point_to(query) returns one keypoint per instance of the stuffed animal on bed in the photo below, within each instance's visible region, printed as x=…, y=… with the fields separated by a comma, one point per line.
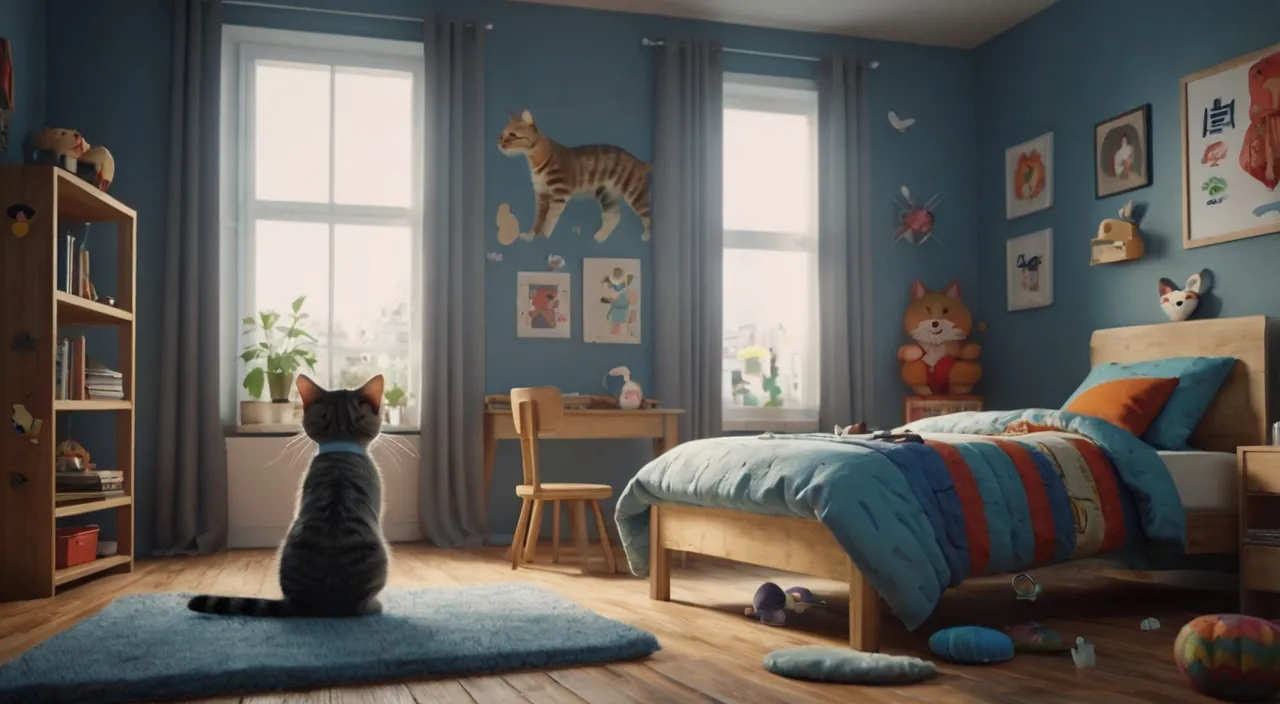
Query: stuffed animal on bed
x=939, y=361
x=771, y=603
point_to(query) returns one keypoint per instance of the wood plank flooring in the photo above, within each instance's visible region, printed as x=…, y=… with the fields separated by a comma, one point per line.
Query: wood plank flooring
x=710, y=651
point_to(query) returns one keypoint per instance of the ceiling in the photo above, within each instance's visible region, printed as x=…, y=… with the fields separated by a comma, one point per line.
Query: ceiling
x=955, y=23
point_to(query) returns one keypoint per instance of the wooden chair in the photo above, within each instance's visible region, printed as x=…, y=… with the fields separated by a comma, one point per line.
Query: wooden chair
x=539, y=411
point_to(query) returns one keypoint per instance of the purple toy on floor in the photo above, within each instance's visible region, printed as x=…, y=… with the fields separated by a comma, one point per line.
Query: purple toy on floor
x=771, y=603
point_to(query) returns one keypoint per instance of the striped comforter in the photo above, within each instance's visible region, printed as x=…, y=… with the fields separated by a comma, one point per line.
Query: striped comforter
x=986, y=493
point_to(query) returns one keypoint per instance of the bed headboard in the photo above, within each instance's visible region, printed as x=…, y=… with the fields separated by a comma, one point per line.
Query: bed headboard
x=1244, y=408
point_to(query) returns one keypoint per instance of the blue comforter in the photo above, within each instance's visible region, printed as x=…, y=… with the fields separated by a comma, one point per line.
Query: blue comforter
x=988, y=493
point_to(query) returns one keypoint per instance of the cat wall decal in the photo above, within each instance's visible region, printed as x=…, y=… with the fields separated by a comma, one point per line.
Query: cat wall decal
x=559, y=173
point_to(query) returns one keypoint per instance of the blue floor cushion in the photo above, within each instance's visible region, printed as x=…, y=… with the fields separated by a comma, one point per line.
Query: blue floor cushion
x=826, y=664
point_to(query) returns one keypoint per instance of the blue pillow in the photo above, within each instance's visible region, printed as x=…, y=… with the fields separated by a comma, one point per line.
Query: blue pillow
x=1199, y=379
x=825, y=664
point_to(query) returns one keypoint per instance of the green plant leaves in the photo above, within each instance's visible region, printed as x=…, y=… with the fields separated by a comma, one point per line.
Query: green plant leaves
x=253, y=382
x=297, y=303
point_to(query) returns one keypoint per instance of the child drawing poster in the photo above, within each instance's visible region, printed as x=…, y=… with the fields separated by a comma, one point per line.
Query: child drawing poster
x=611, y=300
x=1029, y=270
x=542, y=305
x=1028, y=177
x=1231, y=150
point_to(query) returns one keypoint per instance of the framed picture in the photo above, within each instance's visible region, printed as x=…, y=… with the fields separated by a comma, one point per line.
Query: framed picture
x=1122, y=153
x=543, y=304
x=1028, y=177
x=1029, y=270
x=1230, y=160
x=611, y=300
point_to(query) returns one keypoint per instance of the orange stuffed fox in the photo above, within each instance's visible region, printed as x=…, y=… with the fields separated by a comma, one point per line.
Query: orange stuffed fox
x=939, y=361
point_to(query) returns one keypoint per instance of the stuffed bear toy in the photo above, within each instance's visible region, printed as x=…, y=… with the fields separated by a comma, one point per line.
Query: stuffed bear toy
x=939, y=361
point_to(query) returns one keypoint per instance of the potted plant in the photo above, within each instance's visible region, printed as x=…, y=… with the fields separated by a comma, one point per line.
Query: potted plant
x=396, y=399
x=274, y=354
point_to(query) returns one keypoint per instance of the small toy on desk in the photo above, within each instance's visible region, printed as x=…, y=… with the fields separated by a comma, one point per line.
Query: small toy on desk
x=1026, y=588
x=26, y=424
x=1083, y=655
x=771, y=603
x=1178, y=303
x=631, y=396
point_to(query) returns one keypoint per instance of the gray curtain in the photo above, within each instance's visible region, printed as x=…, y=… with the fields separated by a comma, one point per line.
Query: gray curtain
x=191, y=464
x=844, y=249
x=688, y=233
x=452, y=505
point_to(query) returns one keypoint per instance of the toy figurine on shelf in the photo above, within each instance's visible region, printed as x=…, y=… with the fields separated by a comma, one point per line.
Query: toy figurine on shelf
x=68, y=149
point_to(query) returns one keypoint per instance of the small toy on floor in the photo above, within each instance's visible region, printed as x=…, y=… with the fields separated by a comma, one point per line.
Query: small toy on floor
x=1025, y=587
x=771, y=603
x=1035, y=638
x=1083, y=655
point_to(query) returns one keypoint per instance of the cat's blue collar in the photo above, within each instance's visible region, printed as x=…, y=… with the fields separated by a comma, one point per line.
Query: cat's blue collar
x=328, y=447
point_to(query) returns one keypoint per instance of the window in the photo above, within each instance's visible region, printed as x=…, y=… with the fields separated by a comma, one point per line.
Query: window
x=770, y=359
x=326, y=143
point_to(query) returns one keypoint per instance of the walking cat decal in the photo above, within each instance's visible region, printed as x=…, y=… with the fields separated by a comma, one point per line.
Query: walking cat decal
x=606, y=173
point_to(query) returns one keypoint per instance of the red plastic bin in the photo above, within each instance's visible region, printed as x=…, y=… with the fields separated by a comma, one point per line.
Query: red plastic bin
x=76, y=545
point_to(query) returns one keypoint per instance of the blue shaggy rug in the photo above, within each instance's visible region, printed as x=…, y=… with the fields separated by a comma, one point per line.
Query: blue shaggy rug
x=149, y=646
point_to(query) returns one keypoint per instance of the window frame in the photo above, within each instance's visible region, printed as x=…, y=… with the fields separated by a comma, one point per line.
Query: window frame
x=243, y=47
x=743, y=91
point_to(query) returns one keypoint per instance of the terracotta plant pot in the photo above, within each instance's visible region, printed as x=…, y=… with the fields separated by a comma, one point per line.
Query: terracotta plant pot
x=279, y=384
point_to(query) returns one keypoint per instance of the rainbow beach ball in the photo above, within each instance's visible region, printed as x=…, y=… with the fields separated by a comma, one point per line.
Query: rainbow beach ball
x=1230, y=656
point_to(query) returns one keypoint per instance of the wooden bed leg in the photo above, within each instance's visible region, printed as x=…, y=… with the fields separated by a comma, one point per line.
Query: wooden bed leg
x=659, y=560
x=864, y=613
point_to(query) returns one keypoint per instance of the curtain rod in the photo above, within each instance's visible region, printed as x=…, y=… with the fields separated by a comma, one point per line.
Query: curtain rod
x=751, y=52
x=323, y=11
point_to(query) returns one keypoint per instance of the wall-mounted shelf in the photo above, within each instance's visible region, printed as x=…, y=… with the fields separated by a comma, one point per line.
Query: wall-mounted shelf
x=1110, y=251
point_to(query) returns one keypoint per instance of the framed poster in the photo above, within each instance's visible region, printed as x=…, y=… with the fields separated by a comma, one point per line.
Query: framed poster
x=1122, y=153
x=611, y=300
x=1231, y=151
x=542, y=305
x=1029, y=270
x=1028, y=177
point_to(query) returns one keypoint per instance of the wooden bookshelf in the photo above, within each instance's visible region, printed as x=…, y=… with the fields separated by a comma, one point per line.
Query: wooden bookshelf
x=33, y=308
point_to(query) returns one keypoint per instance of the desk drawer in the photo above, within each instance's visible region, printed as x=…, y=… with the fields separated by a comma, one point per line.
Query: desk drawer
x=1262, y=472
x=1260, y=567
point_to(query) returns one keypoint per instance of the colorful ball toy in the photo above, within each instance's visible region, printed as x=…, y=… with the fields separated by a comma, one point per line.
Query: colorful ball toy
x=1230, y=656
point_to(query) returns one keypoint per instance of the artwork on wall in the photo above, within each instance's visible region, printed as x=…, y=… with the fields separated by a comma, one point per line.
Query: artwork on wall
x=1028, y=177
x=542, y=305
x=915, y=221
x=611, y=300
x=1231, y=150
x=612, y=175
x=1122, y=153
x=1179, y=303
x=1029, y=270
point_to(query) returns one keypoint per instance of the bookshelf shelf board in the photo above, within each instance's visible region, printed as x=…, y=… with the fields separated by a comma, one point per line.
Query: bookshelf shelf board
x=91, y=405
x=76, y=310
x=80, y=201
x=75, y=507
x=71, y=574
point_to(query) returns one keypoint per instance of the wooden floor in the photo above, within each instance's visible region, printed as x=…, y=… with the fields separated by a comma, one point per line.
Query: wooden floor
x=710, y=651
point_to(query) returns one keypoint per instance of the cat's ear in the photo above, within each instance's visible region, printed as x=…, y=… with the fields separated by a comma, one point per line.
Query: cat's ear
x=372, y=392
x=308, y=390
x=527, y=117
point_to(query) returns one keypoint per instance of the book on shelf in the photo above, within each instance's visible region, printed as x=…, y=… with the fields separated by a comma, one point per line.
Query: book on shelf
x=80, y=495
x=80, y=378
x=73, y=267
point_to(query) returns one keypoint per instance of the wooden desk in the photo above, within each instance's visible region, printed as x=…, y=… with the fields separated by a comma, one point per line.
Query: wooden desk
x=659, y=424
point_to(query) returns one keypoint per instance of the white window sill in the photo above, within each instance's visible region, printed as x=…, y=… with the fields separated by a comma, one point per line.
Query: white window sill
x=770, y=420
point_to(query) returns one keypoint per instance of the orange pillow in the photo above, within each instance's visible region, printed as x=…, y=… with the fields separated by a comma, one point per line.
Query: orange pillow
x=1131, y=403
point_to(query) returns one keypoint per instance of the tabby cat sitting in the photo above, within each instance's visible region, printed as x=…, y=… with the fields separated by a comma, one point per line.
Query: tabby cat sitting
x=560, y=173
x=334, y=560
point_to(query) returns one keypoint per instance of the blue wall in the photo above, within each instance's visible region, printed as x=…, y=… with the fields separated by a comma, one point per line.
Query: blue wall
x=1071, y=66
x=585, y=77
x=22, y=22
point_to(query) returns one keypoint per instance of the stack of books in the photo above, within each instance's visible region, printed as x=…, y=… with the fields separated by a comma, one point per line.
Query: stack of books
x=79, y=378
x=73, y=268
x=103, y=383
x=90, y=484
x=1263, y=536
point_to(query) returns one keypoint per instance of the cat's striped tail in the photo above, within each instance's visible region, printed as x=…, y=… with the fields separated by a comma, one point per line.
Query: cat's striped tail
x=240, y=606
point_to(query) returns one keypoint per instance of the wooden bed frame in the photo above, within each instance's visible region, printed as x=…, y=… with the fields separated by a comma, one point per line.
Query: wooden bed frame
x=1240, y=415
